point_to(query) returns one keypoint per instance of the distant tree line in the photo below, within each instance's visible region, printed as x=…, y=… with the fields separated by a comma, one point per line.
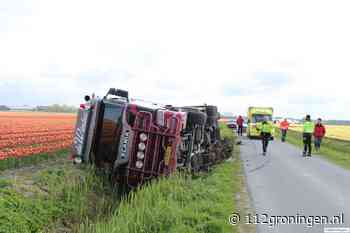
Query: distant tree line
x=57, y=108
x=49, y=108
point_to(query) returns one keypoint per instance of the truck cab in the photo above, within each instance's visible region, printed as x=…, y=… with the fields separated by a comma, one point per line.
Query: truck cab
x=256, y=115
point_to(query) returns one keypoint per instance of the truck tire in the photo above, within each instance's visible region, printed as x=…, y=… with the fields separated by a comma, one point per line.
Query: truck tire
x=195, y=118
x=213, y=115
x=212, y=111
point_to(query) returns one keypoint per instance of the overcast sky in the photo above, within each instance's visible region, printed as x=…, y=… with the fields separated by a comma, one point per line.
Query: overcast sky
x=292, y=55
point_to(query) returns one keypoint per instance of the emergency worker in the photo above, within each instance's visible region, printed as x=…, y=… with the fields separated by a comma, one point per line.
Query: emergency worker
x=265, y=128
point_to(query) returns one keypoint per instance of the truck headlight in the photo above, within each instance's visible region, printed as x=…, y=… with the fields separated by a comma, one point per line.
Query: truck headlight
x=139, y=164
x=142, y=146
x=78, y=160
x=140, y=155
x=143, y=137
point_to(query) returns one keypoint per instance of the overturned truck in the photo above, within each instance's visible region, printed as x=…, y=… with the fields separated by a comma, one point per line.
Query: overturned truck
x=135, y=143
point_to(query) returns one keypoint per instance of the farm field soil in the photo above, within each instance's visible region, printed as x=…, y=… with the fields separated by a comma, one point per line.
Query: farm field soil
x=341, y=132
x=28, y=133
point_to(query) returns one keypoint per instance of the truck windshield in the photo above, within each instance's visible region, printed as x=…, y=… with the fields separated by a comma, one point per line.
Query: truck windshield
x=110, y=132
x=260, y=117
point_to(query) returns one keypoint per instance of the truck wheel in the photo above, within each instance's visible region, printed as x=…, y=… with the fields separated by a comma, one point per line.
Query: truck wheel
x=195, y=118
x=212, y=111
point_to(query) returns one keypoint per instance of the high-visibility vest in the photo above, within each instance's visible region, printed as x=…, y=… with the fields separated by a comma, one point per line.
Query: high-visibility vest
x=265, y=127
x=308, y=127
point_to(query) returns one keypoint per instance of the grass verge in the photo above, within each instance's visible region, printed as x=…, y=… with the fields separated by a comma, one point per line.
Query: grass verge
x=55, y=200
x=334, y=150
x=12, y=163
x=177, y=204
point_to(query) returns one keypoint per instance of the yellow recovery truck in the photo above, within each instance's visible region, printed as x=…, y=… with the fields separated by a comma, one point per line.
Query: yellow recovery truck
x=255, y=116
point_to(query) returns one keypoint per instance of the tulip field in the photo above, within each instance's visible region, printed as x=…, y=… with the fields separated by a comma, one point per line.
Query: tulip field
x=341, y=132
x=27, y=133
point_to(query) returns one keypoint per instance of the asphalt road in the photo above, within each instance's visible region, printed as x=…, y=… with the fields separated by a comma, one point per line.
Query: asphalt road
x=283, y=183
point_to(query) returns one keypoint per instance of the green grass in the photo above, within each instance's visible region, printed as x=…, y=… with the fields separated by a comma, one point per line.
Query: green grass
x=179, y=203
x=334, y=150
x=58, y=199
x=4, y=183
x=11, y=163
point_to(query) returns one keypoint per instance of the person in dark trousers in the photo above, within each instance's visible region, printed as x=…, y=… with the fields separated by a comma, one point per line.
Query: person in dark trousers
x=284, y=125
x=308, y=130
x=240, y=122
x=265, y=129
x=319, y=133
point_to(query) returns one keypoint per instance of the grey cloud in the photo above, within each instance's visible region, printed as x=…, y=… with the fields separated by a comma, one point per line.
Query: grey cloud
x=235, y=91
x=168, y=85
x=272, y=80
x=305, y=99
x=98, y=78
x=262, y=83
x=23, y=93
x=56, y=86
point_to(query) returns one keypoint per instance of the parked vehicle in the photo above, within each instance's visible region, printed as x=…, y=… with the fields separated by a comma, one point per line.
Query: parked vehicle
x=134, y=143
x=232, y=124
x=256, y=115
x=245, y=127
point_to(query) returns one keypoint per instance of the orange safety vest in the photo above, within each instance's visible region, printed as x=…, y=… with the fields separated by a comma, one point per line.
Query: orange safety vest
x=284, y=125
